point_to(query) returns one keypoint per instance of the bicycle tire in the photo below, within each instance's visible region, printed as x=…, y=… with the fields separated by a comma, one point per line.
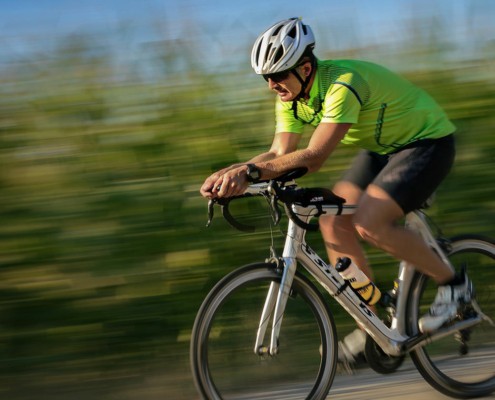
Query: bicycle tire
x=224, y=364
x=460, y=368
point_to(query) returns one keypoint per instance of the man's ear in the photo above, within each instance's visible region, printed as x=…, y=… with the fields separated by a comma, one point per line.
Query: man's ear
x=306, y=69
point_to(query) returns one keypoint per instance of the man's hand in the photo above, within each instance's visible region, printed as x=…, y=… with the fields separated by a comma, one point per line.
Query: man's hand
x=226, y=183
x=206, y=189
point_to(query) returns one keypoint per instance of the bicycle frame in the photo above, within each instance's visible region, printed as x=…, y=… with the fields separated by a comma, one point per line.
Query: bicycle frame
x=393, y=340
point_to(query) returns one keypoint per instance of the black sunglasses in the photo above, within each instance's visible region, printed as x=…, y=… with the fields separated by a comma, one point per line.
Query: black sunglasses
x=277, y=77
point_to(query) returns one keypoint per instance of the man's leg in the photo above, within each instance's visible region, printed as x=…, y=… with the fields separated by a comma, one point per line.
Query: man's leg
x=376, y=222
x=339, y=234
x=341, y=240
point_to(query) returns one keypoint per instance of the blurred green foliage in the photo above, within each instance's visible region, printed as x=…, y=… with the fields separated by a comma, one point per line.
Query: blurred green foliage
x=105, y=258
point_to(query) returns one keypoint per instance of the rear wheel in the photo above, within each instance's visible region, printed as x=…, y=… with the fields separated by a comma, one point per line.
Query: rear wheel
x=223, y=359
x=461, y=365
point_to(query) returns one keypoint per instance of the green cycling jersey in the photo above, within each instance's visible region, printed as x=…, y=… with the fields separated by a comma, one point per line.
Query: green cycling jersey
x=387, y=112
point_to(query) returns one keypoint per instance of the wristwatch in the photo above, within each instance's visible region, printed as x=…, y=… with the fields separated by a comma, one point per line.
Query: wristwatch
x=253, y=173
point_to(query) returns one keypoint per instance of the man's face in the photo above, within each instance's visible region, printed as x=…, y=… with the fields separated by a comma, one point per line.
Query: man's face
x=286, y=84
x=287, y=88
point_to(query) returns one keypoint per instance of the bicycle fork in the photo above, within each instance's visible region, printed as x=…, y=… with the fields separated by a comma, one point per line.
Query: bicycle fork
x=278, y=294
x=275, y=303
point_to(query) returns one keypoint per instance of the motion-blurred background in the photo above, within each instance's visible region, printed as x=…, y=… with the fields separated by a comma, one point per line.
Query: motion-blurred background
x=113, y=112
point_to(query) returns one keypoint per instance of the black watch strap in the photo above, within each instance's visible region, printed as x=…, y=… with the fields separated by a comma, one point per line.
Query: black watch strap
x=253, y=173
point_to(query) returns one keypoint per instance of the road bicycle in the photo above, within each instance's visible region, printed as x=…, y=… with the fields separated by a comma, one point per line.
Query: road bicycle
x=265, y=331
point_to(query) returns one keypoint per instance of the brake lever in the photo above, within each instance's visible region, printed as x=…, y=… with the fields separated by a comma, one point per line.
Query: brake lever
x=211, y=204
x=275, y=210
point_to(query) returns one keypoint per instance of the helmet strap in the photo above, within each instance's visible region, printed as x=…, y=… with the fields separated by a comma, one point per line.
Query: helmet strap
x=304, y=82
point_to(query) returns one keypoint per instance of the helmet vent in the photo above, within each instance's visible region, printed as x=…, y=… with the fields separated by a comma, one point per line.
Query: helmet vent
x=258, y=50
x=292, y=33
x=278, y=54
x=276, y=31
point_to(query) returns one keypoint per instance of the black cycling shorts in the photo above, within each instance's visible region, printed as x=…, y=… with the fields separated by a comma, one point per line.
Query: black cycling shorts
x=410, y=175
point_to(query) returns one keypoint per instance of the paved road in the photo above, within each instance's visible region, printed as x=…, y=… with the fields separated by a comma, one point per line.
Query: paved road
x=405, y=384
x=365, y=384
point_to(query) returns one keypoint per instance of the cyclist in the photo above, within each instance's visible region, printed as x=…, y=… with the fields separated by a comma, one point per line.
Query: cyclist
x=407, y=150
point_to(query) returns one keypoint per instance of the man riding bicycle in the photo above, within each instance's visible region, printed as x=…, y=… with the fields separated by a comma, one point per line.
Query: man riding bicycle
x=407, y=150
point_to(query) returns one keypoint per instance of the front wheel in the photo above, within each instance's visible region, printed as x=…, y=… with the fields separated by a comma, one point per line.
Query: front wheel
x=461, y=365
x=223, y=359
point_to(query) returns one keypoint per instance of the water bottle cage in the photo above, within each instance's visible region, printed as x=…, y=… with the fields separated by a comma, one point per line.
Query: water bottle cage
x=347, y=284
x=342, y=289
x=363, y=288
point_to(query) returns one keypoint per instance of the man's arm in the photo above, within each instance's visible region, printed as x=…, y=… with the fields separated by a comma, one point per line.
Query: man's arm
x=283, y=143
x=323, y=141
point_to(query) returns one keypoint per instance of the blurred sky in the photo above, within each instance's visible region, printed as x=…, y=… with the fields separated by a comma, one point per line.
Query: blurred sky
x=227, y=26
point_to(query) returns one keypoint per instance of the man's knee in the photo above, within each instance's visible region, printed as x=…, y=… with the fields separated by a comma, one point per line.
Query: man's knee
x=377, y=215
x=367, y=227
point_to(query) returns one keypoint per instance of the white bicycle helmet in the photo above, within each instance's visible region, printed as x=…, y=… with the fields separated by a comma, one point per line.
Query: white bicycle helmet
x=281, y=46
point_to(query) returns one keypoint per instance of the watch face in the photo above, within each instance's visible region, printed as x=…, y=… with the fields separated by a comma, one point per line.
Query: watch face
x=253, y=173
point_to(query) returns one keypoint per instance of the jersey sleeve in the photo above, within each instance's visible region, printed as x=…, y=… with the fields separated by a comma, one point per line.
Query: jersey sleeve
x=341, y=105
x=285, y=120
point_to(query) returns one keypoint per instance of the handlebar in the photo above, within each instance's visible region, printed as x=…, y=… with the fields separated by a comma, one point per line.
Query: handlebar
x=282, y=190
